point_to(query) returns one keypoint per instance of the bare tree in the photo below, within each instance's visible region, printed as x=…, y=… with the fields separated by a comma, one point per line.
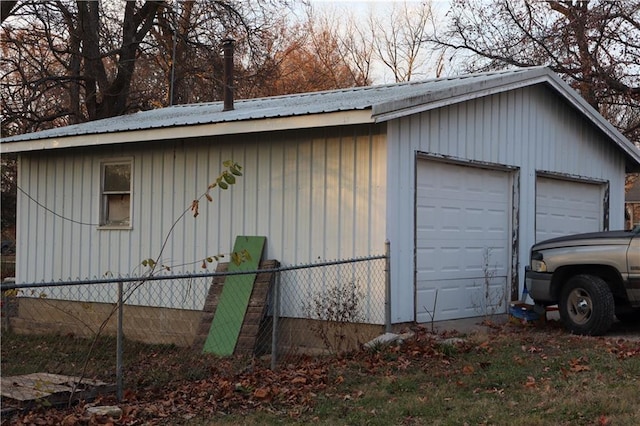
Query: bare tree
x=66, y=56
x=311, y=56
x=399, y=38
x=594, y=45
x=189, y=35
x=390, y=40
x=67, y=62
x=357, y=49
x=6, y=9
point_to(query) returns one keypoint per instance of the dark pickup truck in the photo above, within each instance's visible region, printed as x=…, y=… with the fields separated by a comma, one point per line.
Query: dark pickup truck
x=591, y=277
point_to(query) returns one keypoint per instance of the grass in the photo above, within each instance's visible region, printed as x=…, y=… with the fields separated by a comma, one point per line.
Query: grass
x=144, y=366
x=511, y=375
x=522, y=378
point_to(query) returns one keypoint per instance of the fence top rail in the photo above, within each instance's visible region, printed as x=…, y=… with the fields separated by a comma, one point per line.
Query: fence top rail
x=161, y=277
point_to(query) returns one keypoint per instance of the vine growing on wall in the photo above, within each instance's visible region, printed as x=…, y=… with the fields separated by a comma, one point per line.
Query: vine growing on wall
x=224, y=181
x=491, y=300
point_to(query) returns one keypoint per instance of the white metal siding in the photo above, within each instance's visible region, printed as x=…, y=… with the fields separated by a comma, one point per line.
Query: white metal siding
x=322, y=194
x=566, y=207
x=530, y=129
x=314, y=195
x=462, y=241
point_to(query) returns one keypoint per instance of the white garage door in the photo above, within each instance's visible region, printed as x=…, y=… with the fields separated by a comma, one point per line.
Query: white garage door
x=462, y=241
x=567, y=207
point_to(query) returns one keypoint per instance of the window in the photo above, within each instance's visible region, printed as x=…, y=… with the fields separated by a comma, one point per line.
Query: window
x=115, y=197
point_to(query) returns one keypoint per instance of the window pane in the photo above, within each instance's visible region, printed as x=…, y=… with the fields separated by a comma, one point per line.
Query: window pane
x=117, y=177
x=117, y=209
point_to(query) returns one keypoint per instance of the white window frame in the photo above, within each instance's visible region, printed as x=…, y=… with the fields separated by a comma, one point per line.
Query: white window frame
x=105, y=195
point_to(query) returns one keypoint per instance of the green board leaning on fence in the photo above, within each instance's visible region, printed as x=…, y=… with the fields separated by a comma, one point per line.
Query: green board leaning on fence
x=234, y=299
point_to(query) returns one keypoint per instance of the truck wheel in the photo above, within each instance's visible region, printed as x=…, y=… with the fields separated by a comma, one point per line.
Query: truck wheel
x=586, y=305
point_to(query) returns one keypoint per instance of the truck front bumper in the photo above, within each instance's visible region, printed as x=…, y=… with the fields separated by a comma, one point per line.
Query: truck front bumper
x=539, y=286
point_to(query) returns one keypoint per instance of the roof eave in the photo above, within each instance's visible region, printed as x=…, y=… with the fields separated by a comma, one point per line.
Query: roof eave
x=462, y=92
x=473, y=90
x=341, y=118
x=632, y=153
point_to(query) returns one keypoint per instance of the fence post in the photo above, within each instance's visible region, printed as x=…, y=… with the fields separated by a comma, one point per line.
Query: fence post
x=119, y=338
x=274, y=323
x=9, y=307
x=387, y=286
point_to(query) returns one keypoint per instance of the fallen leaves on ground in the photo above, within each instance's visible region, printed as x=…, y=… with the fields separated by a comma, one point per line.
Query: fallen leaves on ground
x=579, y=364
x=292, y=390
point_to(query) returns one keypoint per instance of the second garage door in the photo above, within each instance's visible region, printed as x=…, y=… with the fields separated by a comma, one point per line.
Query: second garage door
x=566, y=207
x=462, y=240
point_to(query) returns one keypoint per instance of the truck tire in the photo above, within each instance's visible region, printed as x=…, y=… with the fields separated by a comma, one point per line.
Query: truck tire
x=586, y=305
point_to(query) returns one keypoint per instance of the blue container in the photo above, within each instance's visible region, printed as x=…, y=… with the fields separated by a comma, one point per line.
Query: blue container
x=524, y=312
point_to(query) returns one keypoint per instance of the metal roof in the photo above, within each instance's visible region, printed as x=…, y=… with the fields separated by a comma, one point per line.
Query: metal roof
x=374, y=104
x=357, y=98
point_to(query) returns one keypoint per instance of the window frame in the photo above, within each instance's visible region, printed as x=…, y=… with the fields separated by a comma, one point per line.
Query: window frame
x=104, y=195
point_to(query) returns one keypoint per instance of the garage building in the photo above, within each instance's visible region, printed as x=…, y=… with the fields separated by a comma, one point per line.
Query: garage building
x=461, y=175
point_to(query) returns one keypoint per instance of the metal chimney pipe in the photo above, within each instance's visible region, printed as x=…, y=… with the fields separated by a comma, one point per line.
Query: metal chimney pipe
x=227, y=49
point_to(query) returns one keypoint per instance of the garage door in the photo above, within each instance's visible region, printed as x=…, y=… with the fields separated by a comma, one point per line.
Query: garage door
x=462, y=241
x=567, y=207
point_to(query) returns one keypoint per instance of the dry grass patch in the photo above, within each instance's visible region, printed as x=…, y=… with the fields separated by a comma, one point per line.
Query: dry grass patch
x=510, y=375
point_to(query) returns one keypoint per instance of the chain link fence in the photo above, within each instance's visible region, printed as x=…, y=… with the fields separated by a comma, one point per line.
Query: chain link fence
x=135, y=333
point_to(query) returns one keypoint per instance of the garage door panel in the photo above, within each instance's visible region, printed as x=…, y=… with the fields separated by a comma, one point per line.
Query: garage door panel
x=470, y=260
x=476, y=226
x=445, y=298
x=567, y=207
x=463, y=213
